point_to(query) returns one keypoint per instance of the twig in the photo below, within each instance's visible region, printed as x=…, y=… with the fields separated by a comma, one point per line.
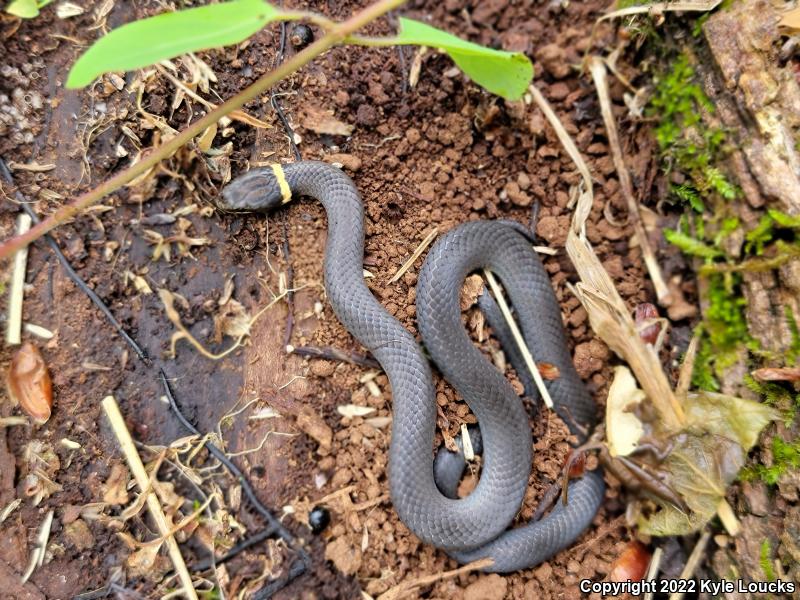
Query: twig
x=399, y=591
x=652, y=570
x=330, y=353
x=694, y=560
x=76, y=279
x=415, y=255
x=236, y=550
x=523, y=347
x=338, y=33
x=275, y=526
x=143, y=481
x=17, y=291
x=598, y=69
x=728, y=518
x=658, y=8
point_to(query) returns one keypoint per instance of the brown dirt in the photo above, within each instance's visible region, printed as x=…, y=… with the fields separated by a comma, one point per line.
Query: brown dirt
x=436, y=155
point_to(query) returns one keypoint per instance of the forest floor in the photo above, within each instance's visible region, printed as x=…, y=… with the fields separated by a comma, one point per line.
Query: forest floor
x=429, y=156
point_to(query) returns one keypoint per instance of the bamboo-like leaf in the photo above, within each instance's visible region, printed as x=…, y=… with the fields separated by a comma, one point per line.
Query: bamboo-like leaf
x=171, y=34
x=506, y=74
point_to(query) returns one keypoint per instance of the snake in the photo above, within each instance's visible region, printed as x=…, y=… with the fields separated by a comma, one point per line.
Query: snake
x=476, y=526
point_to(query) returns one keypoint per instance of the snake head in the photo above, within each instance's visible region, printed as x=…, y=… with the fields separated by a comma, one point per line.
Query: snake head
x=256, y=190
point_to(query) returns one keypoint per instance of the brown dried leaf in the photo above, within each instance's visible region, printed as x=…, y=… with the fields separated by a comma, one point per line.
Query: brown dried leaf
x=116, y=486
x=777, y=374
x=29, y=384
x=791, y=21
x=321, y=120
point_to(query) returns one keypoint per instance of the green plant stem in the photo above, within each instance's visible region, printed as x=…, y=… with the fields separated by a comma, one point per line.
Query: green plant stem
x=786, y=254
x=337, y=33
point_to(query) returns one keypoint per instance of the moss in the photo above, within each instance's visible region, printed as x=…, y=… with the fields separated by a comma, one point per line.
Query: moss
x=793, y=354
x=765, y=560
x=785, y=456
x=686, y=143
x=777, y=395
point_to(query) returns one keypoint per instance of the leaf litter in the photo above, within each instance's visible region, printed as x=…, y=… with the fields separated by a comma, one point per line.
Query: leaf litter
x=707, y=436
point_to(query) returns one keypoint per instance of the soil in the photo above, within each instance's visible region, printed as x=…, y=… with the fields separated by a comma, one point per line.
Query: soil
x=433, y=155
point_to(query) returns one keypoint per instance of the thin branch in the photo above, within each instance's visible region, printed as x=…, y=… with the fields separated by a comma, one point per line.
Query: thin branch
x=598, y=69
x=143, y=481
x=71, y=273
x=337, y=34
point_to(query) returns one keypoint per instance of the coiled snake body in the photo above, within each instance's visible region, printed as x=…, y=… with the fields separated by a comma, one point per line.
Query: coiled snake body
x=475, y=526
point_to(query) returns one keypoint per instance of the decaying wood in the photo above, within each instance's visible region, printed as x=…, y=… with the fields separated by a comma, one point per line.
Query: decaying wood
x=757, y=100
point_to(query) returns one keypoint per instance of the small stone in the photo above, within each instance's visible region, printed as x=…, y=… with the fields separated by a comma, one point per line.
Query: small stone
x=341, y=98
x=490, y=587
x=590, y=357
x=516, y=195
x=554, y=60
x=344, y=555
x=367, y=115
x=553, y=229
x=558, y=91
x=322, y=368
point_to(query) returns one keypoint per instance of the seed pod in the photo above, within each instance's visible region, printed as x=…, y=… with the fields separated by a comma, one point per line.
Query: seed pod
x=301, y=36
x=644, y=313
x=29, y=383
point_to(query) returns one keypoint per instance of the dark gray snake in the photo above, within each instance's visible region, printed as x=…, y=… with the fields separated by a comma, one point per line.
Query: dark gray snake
x=476, y=526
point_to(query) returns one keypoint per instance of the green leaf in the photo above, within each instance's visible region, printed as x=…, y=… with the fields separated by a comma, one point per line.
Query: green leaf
x=506, y=74
x=784, y=220
x=167, y=35
x=25, y=9
x=689, y=245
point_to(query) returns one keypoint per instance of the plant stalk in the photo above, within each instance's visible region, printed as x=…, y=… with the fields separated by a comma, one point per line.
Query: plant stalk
x=336, y=34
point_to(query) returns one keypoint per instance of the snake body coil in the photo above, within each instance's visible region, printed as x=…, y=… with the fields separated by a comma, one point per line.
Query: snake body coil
x=475, y=526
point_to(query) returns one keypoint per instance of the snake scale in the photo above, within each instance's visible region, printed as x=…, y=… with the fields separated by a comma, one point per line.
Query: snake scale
x=476, y=526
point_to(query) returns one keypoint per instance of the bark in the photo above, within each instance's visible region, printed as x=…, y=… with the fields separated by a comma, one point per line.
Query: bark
x=757, y=99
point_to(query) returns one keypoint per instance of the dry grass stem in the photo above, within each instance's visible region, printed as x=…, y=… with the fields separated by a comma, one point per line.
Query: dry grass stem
x=416, y=254
x=16, y=293
x=698, y=553
x=659, y=8
x=523, y=347
x=597, y=66
x=608, y=315
x=143, y=481
x=728, y=518
x=40, y=548
x=652, y=569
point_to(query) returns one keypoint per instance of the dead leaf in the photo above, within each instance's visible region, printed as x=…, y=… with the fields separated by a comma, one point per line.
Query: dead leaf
x=29, y=384
x=791, y=21
x=354, y=410
x=321, y=120
x=116, y=486
x=777, y=374
x=623, y=428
